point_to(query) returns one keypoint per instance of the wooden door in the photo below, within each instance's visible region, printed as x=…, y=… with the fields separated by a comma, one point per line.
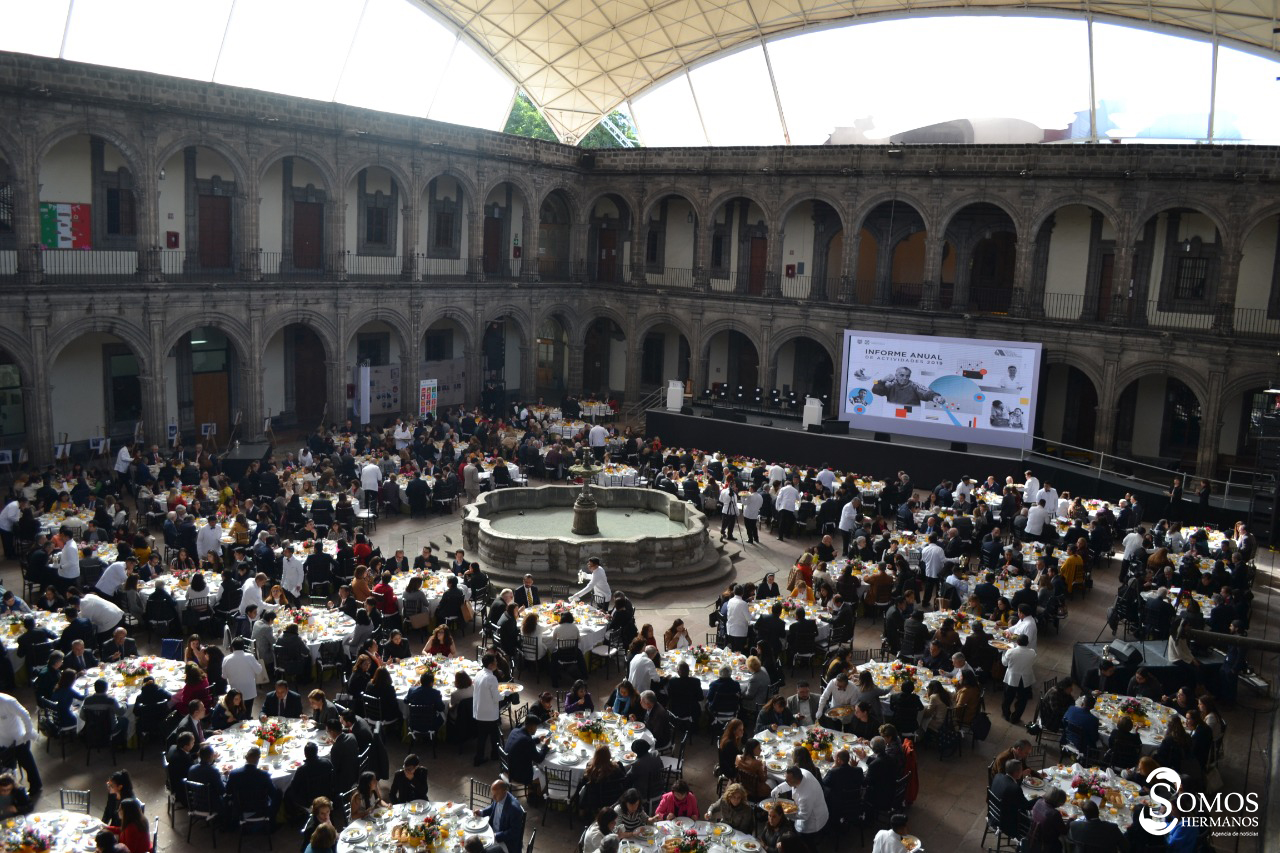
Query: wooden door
x=759, y=261
x=595, y=360
x=492, y=246
x=608, y=256
x=214, y=219
x=308, y=235
x=212, y=400
x=1106, y=275
x=309, y=392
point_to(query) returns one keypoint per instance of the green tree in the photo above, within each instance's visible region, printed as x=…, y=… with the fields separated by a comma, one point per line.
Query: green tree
x=525, y=120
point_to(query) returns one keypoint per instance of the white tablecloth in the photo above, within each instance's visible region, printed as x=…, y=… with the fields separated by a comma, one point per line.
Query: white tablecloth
x=169, y=674
x=570, y=752
x=66, y=832
x=363, y=835
x=231, y=745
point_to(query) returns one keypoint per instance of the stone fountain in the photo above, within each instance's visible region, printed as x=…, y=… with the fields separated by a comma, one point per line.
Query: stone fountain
x=584, y=508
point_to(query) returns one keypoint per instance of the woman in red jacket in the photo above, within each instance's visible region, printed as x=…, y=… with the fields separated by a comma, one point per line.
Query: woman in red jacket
x=132, y=831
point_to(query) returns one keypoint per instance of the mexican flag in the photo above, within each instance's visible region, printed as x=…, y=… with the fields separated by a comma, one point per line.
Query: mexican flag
x=64, y=225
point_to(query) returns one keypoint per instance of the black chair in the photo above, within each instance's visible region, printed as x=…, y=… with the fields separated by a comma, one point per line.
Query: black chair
x=518, y=789
x=378, y=712
x=97, y=733
x=478, y=796
x=423, y=722
x=48, y=725
x=994, y=825
x=332, y=660
x=252, y=821
x=38, y=656
x=73, y=800
x=201, y=806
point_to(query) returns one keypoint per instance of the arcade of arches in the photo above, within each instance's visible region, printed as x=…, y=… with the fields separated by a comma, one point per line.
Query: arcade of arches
x=200, y=281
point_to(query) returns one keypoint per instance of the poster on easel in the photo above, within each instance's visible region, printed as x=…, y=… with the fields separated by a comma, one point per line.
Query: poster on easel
x=428, y=397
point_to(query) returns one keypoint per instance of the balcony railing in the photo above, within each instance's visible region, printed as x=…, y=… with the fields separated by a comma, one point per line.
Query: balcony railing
x=68, y=266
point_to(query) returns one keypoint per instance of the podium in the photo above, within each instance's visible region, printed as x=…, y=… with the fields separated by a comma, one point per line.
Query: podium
x=675, y=395
x=812, y=413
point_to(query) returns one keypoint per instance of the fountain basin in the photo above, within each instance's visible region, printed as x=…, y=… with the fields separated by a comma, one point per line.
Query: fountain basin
x=644, y=535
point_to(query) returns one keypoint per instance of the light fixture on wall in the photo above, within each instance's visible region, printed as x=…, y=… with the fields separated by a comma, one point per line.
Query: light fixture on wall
x=1186, y=245
x=689, y=217
x=162, y=173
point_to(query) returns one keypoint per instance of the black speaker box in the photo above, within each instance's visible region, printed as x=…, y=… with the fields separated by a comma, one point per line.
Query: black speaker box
x=816, y=428
x=882, y=436
x=1125, y=654
x=959, y=447
x=835, y=426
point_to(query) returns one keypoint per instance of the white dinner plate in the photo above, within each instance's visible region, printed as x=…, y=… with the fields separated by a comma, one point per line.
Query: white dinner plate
x=475, y=824
x=354, y=834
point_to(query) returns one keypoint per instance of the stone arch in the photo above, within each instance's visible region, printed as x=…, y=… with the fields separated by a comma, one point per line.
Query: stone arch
x=1238, y=385
x=1158, y=206
x=10, y=150
x=730, y=195
x=1078, y=360
x=659, y=318
x=397, y=321
x=601, y=312
x=1257, y=220
x=1173, y=370
x=234, y=159
x=567, y=316
x=868, y=205
x=20, y=350
x=526, y=194
x=571, y=196
x=779, y=338
x=234, y=328
x=128, y=149
x=589, y=202
x=730, y=325
x=511, y=312
x=1117, y=219
x=395, y=168
x=800, y=198
x=656, y=197
x=128, y=332
x=322, y=163
x=468, y=182
x=949, y=213
x=319, y=323
x=463, y=320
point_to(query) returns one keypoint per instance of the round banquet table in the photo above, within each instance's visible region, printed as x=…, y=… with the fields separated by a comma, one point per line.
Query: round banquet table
x=316, y=625
x=1117, y=805
x=378, y=834
x=169, y=674
x=76, y=521
x=709, y=670
x=762, y=606
x=571, y=752
x=54, y=622
x=1180, y=603
x=406, y=673
x=566, y=429
x=66, y=832
x=232, y=743
x=619, y=475
x=889, y=675
x=178, y=584
x=776, y=748
x=1149, y=724
x=590, y=621
x=720, y=837
x=964, y=626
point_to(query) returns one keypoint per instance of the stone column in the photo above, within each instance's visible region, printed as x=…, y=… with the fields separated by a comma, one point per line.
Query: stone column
x=849, y=266
x=1108, y=403
x=475, y=246
x=529, y=248
x=250, y=264
x=639, y=235
x=251, y=390
x=1228, y=280
x=581, y=267
x=409, y=269
x=147, y=197
x=1210, y=426
x=152, y=379
x=702, y=253
x=337, y=371
x=36, y=398
x=336, y=236
x=933, y=271
x=26, y=223
x=774, y=269
x=1022, y=273
x=1117, y=312
x=472, y=383
x=411, y=361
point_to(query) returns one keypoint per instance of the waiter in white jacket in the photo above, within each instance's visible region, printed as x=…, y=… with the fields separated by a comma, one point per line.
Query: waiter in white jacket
x=597, y=584
x=728, y=510
x=291, y=575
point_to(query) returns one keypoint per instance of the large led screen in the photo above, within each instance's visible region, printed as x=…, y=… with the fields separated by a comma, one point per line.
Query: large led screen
x=956, y=389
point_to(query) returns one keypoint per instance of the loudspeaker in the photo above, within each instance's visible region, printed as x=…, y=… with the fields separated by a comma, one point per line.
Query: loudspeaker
x=882, y=436
x=235, y=462
x=959, y=447
x=835, y=426
x=686, y=410
x=1125, y=654
x=816, y=428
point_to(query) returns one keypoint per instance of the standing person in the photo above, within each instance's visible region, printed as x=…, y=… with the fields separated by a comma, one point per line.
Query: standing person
x=1175, y=499
x=1203, y=494
x=785, y=503
x=597, y=585
x=16, y=733
x=751, y=505
x=811, y=803
x=242, y=671
x=485, y=706
x=1019, y=676
x=68, y=559
x=371, y=483
x=728, y=510
x=8, y=521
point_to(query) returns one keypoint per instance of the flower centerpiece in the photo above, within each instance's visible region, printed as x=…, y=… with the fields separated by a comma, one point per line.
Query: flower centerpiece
x=14, y=622
x=787, y=606
x=1089, y=785
x=271, y=732
x=702, y=656
x=27, y=840
x=416, y=834
x=561, y=607
x=899, y=670
x=817, y=740
x=299, y=616
x=1133, y=707
x=132, y=669
x=589, y=731
x=688, y=842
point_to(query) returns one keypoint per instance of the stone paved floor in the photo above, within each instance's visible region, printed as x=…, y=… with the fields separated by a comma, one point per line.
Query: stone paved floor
x=948, y=815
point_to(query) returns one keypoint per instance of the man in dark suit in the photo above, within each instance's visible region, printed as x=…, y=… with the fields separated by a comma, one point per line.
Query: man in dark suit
x=451, y=600
x=895, y=622
x=1006, y=789
x=506, y=817
x=314, y=778
x=119, y=647
x=988, y=593
x=1105, y=679
x=250, y=789
x=771, y=629
x=527, y=594
x=646, y=775
x=1158, y=616
x=32, y=636
x=179, y=759
x=843, y=787
x=283, y=702
x=426, y=560
x=208, y=775
x=1090, y=832
x=344, y=755
x=524, y=753
x=656, y=719
x=1026, y=596
x=79, y=658
x=843, y=617
x=78, y=628
x=193, y=722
